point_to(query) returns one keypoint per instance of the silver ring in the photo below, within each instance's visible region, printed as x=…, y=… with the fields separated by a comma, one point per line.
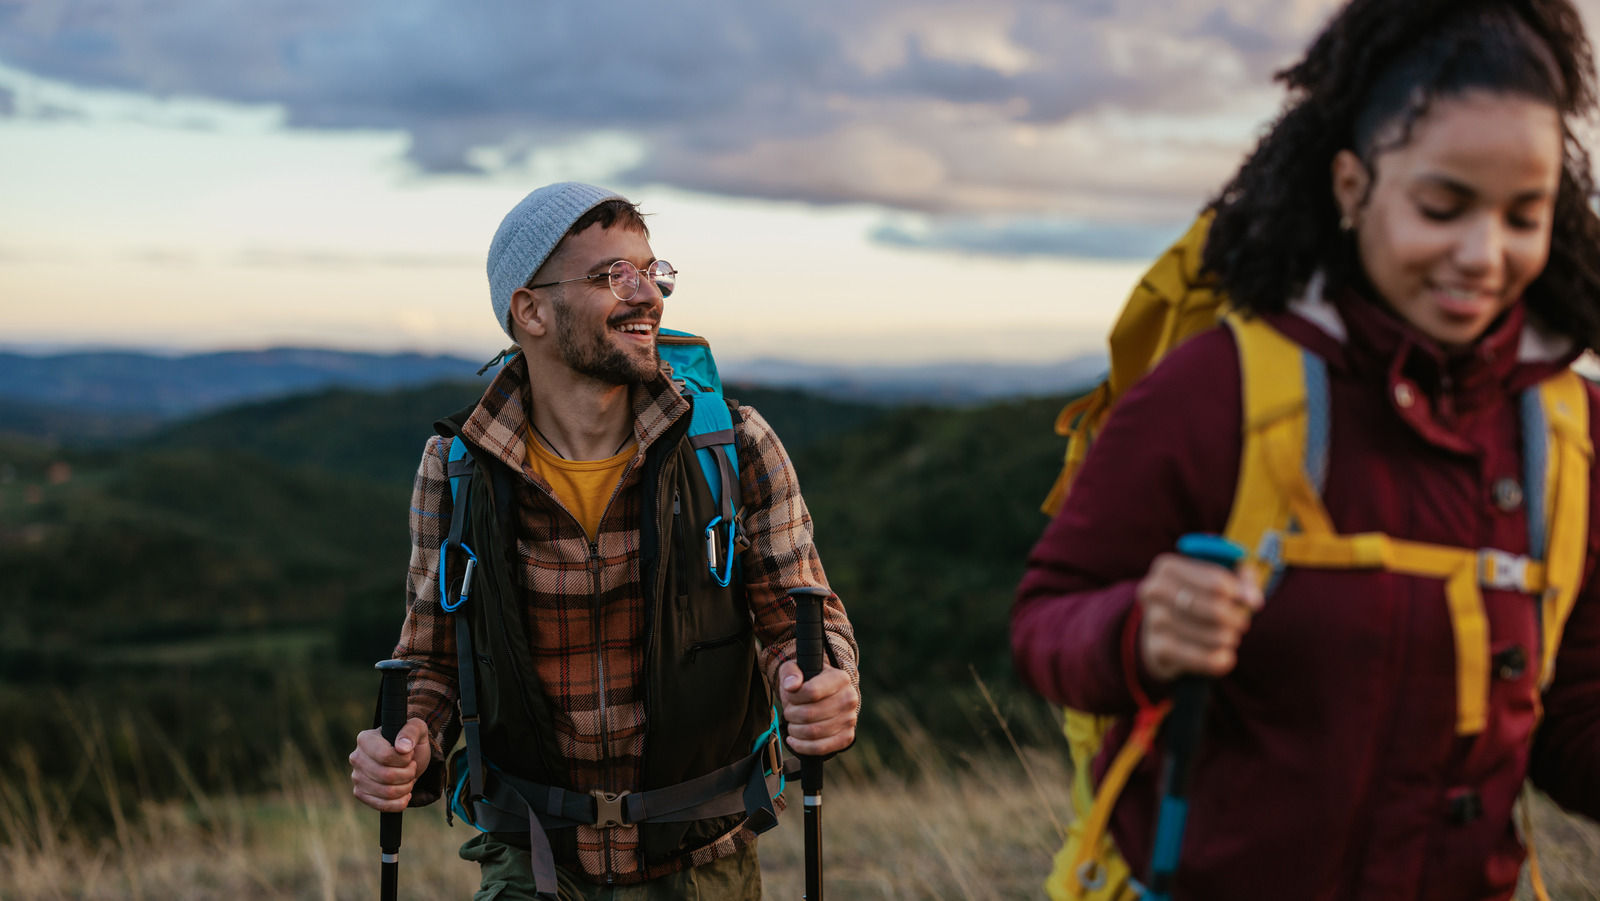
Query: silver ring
x=1184, y=600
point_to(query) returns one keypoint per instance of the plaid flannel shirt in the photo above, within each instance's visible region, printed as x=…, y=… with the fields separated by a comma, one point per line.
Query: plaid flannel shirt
x=601, y=731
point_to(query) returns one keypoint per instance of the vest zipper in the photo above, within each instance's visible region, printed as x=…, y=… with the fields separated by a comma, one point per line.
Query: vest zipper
x=677, y=540
x=595, y=564
x=600, y=681
x=707, y=645
x=653, y=601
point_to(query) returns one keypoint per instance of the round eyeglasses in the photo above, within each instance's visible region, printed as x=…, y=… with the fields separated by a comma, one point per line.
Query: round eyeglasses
x=624, y=279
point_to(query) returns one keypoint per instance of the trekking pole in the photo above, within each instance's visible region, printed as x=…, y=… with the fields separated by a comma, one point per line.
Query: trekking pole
x=809, y=654
x=391, y=716
x=1190, y=698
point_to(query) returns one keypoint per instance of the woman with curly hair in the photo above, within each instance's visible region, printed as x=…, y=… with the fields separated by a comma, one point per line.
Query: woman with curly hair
x=1419, y=226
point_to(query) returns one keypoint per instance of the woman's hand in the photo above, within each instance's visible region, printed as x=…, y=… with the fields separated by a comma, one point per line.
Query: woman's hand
x=1194, y=616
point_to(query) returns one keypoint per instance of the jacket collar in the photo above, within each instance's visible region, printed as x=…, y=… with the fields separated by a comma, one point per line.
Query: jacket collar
x=1357, y=335
x=499, y=424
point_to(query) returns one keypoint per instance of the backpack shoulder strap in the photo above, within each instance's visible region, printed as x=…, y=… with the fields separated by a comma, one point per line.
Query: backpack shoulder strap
x=1284, y=458
x=460, y=468
x=691, y=366
x=1558, y=456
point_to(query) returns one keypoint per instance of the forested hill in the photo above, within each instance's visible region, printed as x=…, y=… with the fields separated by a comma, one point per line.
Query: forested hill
x=379, y=436
x=271, y=539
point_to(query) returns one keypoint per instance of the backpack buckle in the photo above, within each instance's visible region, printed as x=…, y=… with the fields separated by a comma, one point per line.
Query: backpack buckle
x=608, y=809
x=774, y=755
x=1092, y=875
x=1503, y=571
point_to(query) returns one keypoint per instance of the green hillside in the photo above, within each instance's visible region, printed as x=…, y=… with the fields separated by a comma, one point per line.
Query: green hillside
x=924, y=521
x=252, y=559
x=379, y=436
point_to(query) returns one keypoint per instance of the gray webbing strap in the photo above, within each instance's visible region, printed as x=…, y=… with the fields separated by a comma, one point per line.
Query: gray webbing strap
x=722, y=792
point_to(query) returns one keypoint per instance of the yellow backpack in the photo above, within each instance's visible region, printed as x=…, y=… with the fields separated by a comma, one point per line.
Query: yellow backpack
x=1279, y=517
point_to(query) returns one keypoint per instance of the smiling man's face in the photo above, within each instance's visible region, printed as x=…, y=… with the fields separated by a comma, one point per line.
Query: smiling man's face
x=596, y=335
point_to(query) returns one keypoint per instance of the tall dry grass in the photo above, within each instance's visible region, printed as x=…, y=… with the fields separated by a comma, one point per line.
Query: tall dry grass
x=980, y=826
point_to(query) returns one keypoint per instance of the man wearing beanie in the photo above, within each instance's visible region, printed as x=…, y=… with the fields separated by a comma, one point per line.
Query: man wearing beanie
x=605, y=675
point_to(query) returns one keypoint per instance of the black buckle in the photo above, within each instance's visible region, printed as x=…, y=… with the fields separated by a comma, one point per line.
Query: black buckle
x=608, y=809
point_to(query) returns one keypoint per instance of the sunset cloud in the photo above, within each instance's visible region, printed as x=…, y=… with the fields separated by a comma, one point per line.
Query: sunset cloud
x=1128, y=113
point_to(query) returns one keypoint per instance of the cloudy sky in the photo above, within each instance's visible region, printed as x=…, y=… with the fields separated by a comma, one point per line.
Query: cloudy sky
x=841, y=179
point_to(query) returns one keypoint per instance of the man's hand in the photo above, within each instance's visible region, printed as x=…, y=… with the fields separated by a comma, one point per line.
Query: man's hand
x=384, y=774
x=1195, y=613
x=821, y=711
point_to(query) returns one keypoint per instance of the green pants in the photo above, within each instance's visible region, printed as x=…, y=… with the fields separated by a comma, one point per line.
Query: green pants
x=508, y=876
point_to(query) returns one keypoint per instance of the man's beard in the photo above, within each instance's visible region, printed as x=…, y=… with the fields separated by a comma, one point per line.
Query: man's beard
x=589, y=353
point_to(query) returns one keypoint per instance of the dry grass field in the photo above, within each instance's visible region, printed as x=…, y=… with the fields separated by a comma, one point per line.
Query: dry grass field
x=980, y=827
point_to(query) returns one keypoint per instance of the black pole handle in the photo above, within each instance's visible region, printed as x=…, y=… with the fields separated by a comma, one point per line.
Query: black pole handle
x=810, y=651
x=393, y=695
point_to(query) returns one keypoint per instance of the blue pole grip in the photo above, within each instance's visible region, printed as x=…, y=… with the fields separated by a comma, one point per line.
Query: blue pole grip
x=1211, y=549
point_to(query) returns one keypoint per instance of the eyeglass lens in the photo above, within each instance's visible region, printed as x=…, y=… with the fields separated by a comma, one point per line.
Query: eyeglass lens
x=625, y=278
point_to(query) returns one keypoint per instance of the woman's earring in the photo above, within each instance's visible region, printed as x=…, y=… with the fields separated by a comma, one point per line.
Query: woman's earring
x=1346, y=223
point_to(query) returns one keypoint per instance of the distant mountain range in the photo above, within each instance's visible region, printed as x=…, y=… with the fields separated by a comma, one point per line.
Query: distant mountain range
x=945, y=384
x=105, y=394
x=178, y=387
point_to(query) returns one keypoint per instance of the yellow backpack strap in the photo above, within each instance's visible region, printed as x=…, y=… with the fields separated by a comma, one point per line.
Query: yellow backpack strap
x=1280, y=430
x=1094, y=869
x=1562, y=453
x=1078, y=422
x=1172, y=302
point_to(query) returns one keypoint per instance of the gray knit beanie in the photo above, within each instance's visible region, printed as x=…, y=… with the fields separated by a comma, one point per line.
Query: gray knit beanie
x=530, y=232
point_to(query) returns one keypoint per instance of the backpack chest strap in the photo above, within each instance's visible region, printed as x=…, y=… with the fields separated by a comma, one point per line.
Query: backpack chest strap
x=1465, y=573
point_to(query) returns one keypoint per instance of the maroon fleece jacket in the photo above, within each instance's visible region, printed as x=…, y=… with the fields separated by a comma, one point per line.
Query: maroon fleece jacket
x=1330, y=767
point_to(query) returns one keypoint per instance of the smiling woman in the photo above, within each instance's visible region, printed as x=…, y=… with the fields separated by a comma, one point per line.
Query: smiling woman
x=1388, y=430
x=1455, y=223
x=1494, y=85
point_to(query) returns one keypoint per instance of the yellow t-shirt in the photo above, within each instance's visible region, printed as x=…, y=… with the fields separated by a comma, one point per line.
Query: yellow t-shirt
x=584, y=487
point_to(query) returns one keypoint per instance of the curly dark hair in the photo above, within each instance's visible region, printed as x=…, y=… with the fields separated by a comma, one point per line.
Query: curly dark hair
x=1371, y=75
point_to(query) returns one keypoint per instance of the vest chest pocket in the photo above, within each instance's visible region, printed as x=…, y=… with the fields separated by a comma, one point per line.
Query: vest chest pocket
x=705, y=616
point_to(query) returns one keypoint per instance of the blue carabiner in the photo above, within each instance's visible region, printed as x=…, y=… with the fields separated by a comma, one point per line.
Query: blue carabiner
x=466, y=579
x=772, y=735
x=726, y=576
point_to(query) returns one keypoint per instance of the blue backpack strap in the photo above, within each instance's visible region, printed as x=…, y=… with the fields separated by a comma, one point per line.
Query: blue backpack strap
x=1318, y=419
x=460, y=468
x=1535, y=467
x=712, y=437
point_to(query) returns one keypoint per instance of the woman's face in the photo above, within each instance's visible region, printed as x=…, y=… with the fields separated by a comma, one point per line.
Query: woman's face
x=1455, y=223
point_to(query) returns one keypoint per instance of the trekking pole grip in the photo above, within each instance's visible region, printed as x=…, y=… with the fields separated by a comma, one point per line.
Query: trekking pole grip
x=810, y=651
x=392, y=704
x=1191, y=695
